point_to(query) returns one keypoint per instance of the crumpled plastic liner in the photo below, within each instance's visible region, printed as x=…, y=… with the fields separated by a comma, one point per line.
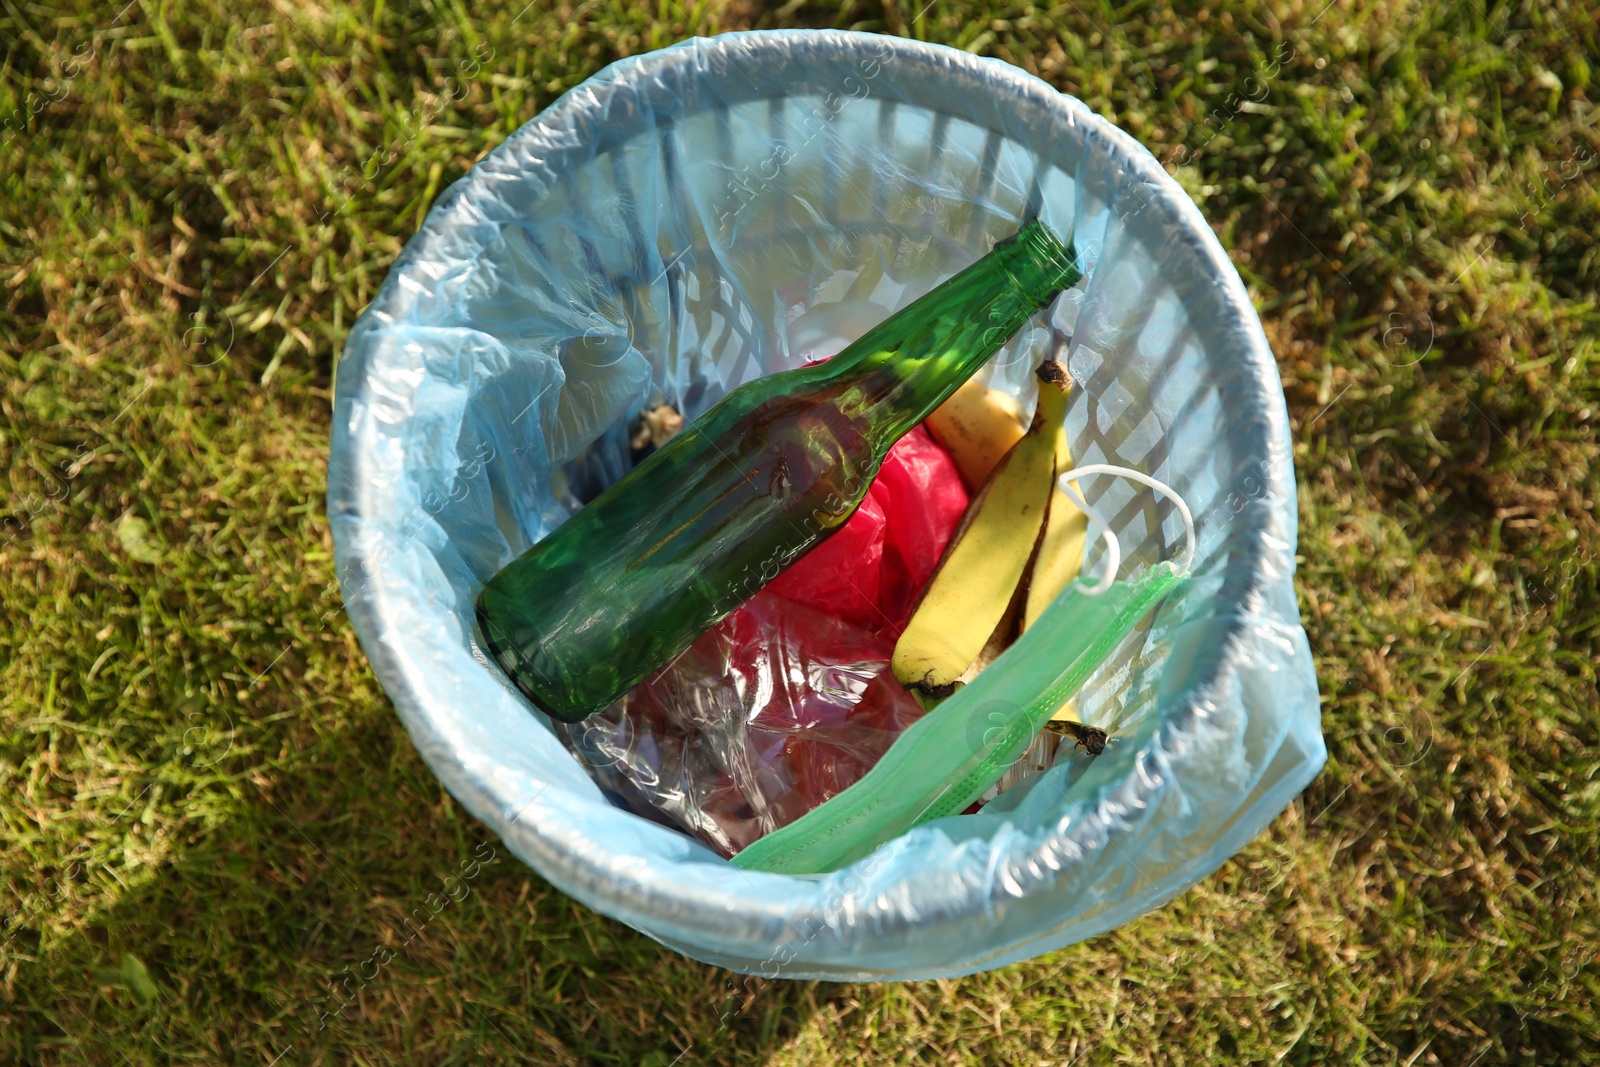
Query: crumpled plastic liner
x=789, y=700
x=692, y=218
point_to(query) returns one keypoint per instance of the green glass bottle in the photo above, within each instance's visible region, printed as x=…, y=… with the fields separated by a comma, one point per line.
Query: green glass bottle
x=772, y=469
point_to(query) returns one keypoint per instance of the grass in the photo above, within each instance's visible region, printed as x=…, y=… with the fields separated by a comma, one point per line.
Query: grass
x=211, y=815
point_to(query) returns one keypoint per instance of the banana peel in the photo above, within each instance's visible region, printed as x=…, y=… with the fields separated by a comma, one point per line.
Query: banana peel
x=1058, y=561
x=980, y=585
x=1008, y=560
x=977, y=426
x=1060, y=555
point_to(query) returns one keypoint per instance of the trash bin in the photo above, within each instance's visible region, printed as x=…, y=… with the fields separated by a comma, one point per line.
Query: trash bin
x=692, y=218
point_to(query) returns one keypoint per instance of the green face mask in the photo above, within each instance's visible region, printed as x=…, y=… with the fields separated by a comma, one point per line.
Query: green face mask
x=950, y=756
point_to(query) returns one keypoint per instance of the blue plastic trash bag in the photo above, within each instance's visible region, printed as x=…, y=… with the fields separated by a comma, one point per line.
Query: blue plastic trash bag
x=696, y=217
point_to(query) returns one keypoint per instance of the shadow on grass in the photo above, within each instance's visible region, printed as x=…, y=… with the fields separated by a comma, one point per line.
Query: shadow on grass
x=347, y=912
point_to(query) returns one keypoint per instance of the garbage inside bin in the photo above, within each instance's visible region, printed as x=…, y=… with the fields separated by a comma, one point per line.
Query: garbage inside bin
x=770, y=471
x=950, y=757
x=788, y=700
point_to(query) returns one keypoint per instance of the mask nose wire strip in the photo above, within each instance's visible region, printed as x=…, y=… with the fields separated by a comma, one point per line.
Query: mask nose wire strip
x=1113, y=546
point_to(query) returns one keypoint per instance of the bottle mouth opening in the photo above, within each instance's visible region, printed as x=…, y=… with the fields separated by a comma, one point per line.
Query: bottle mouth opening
x=1036, y=242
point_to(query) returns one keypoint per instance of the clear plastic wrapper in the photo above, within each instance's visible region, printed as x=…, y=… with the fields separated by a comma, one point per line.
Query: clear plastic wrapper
x=776, y=709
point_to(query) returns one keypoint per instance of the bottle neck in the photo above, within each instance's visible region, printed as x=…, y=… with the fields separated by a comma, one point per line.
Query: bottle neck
x=1037, y=262
x=913, y=361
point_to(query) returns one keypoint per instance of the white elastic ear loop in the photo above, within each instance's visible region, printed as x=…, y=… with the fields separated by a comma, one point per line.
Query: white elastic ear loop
x=1113, y=546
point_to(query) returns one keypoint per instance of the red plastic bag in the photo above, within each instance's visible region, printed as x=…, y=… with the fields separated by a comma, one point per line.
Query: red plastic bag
x=789, y=700
x=870, y=572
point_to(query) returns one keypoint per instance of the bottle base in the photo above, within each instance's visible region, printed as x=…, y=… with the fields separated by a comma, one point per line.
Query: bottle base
x=499, y=657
